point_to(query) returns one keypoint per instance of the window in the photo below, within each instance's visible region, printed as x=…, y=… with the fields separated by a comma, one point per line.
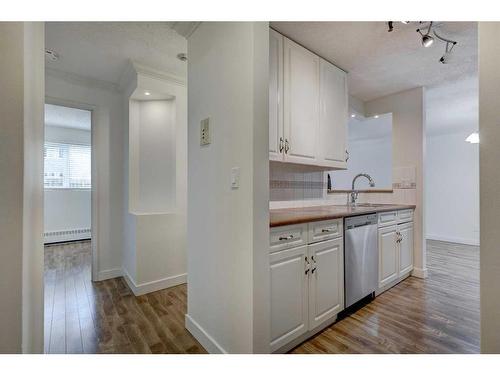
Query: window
x=67, y=166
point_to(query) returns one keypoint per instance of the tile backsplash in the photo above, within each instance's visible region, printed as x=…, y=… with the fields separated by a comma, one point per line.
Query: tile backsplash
x=302, y=186
x=290, y=182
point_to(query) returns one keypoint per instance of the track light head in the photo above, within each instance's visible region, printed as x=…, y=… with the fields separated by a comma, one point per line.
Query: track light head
x=427, y=40
x=445, y=59
x=390, y=26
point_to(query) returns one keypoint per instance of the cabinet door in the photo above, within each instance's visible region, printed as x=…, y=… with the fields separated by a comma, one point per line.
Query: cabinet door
x=406, y=248
x=326, y=281
x=333, y=116
x=388, y=255
x=288, y=296
x=301, y=104
x=275, y=95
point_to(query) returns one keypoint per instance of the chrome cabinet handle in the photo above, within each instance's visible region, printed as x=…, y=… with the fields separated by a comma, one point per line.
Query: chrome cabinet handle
x=287, y=146
x=286, y=238
x=281, y=145
x=314, y=260
x=326, y=230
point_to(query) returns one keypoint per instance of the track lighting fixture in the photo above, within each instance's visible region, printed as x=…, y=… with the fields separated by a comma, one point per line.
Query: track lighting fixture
x=448, y=48
x=427, y=39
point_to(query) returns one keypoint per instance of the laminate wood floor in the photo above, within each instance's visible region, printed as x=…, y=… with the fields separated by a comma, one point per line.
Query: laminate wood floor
x=105, y=317
x=437, y=315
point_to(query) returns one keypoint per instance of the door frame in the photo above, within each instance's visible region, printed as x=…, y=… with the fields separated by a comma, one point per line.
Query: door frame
x=93, y=173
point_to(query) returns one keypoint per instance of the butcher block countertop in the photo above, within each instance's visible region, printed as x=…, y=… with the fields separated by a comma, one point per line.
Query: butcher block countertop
x=289, y=216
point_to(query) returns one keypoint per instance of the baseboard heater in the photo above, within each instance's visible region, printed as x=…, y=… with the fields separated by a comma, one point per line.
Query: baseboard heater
x=67, y=235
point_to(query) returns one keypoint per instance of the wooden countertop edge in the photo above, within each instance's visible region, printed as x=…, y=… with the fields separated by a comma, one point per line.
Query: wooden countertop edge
x=313, y=218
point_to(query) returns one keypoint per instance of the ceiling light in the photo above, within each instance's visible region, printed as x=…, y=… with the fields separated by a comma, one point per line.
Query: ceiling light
x=405, y=22
x=353, y=115
x=427, y=39
x=473, y=138
x=376, y=116
x=147, y=93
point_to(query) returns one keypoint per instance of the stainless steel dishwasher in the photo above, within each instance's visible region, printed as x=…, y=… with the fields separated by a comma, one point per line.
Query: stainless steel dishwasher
x=361, y=257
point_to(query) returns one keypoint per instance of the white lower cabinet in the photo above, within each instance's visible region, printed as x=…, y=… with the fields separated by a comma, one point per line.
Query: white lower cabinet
x=388, y=255
x=289, y=295
x=326, y=281
x=395, y=246
x=405, y=247
x=307, y=288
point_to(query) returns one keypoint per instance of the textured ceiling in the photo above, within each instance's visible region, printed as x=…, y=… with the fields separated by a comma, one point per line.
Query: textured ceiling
x=100, y=50
x=382, y=63
x=453, y=106
x=66, y=117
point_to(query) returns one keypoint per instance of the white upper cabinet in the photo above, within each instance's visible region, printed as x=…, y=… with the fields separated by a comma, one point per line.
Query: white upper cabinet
x=333, y=115
x=307, y=106
x=276, y=141
x=301, y=104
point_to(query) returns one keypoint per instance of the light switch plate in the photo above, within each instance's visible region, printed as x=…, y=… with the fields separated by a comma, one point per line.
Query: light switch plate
x=235, y=177
x=205, y=131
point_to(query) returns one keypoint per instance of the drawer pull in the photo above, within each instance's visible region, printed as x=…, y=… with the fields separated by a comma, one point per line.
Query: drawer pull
x=326, y=230
x=286, y=238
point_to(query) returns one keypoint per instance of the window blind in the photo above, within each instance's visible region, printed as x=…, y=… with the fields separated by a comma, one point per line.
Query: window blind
x=67, y=166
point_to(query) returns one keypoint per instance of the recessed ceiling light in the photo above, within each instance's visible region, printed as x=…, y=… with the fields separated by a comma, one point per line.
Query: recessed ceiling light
x=147, y=93
x=353, y=115
x=473, y=138
x=376, y=116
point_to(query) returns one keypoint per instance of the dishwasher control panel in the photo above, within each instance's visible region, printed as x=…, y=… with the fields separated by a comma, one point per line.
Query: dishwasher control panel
x=359, y=221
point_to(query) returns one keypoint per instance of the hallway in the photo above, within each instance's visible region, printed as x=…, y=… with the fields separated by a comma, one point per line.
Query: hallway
x=105, y=317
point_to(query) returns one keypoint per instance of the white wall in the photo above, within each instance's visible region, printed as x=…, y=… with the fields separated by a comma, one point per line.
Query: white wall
x=11, y=186
x=228, y=229
x=408, y=138
x=370, y=151
x=489, y=157
x=67, y=209
x=155, y=182
x=21, y=163
x=452, y=188
x=156, y=148
x=107, y=140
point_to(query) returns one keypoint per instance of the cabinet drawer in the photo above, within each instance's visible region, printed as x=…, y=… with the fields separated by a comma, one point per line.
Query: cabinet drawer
x=387, y=218
x=288, y=236
x=325, y=230
x=405, y=216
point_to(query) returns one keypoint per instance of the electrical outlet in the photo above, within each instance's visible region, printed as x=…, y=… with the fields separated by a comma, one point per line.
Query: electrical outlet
x=205, y=132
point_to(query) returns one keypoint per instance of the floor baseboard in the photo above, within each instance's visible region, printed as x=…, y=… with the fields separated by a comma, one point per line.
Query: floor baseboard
x=153, y=286
x=462, y=241
x=203, y=337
